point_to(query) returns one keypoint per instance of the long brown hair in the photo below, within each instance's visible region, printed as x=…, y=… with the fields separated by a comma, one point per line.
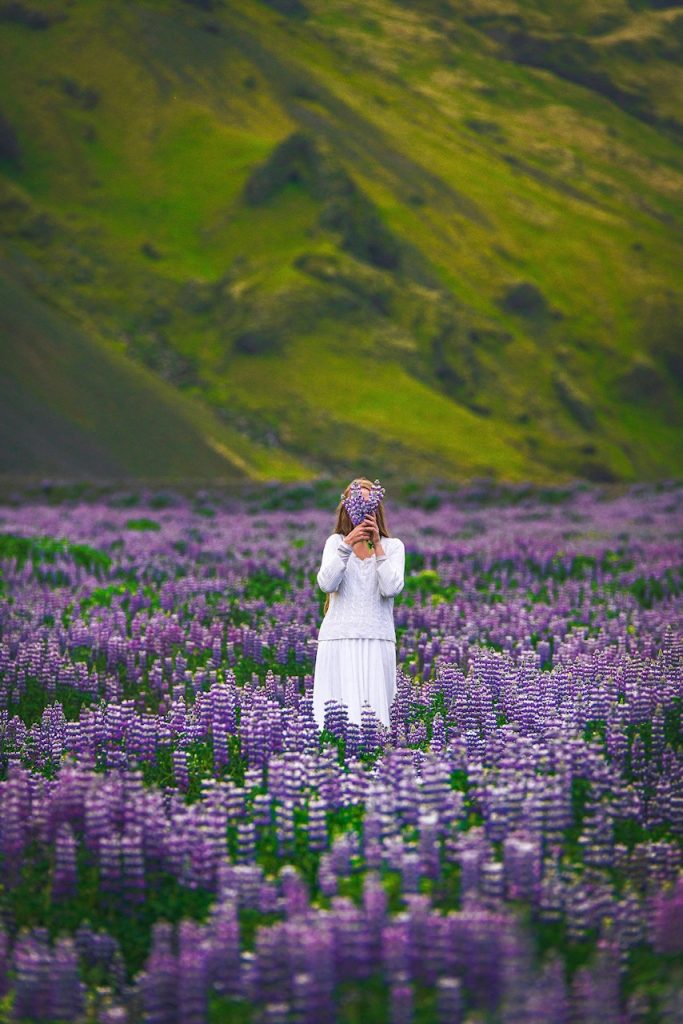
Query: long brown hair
x=344, y=524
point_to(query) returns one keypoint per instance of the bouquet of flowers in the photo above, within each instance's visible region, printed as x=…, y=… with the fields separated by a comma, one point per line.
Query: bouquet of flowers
x=356, y=505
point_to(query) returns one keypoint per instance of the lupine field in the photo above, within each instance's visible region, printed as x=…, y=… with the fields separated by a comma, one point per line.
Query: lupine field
x=180, y=843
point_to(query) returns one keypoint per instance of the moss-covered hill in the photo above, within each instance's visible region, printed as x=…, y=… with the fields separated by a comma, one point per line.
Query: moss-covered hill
x=435, y=238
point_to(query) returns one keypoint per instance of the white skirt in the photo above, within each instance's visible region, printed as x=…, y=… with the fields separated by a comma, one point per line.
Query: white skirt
x=352, y=671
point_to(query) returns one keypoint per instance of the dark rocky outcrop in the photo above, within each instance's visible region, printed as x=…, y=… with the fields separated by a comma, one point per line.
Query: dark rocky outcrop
x=573, y=399
x=257, y=341
x=667, y=46
x=84, y=96
x=30, y=17
x=572, y=58
x=452, y=352
x=290, y=8
x=373, y=287
x=150, y=250
x=524, y=298
x=669, y=348
x=661, y=331
x=205, y=5
x=641, y=381
x=656, y=5
x=596, y=471
x=482, y=126
x=148, y=343
x=362, y=231
x=40, y=227
x=9, y=141
x=296, y=159
x=346, y=210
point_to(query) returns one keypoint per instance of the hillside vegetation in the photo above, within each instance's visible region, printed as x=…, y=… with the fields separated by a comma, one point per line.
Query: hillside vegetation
x=277, y=239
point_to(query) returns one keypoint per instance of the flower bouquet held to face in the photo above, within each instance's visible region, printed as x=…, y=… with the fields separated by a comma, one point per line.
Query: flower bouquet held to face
x=361, y=503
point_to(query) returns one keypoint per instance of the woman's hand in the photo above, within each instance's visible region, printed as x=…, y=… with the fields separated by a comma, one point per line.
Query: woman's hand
x=371, y=524
x=358, y=535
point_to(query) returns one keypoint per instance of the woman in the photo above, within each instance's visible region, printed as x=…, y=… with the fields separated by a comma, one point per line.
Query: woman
x=362, y=570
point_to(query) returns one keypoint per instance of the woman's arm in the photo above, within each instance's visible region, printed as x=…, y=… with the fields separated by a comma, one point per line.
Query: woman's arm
x=335, y=556
x=391, y=569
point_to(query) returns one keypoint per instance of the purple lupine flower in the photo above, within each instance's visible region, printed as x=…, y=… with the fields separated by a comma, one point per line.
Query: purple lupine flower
x=158, y=984
x=64, y=879
x=192, y=974
x=68, y=991
x=354, y=503
x=32, y=990
x=357, y=506
x=401, y=1000
x=448, y=1000
x=668, y=919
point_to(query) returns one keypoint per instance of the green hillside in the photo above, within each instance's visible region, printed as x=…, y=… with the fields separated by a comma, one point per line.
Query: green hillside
x=440, y=239
x=72, y=404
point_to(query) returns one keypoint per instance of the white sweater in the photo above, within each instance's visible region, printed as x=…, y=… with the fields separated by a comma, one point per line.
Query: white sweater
x=362, y=590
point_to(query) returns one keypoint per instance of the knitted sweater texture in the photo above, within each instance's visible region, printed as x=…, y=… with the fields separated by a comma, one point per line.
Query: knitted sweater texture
x=362, y=590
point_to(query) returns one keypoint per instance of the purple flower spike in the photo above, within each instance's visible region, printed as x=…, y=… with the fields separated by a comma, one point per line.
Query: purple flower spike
x=356, y=505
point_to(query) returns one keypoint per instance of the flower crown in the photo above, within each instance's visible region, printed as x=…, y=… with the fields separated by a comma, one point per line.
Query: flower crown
x=356, y=505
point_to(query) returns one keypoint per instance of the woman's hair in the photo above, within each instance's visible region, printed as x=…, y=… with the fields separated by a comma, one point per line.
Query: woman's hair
x=344, y=524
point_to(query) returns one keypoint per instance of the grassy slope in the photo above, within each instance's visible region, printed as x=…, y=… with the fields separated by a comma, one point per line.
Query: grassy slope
x=73, y=405
x=185, y=114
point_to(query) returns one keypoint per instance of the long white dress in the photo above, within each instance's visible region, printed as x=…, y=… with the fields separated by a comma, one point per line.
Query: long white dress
x=356, y=655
